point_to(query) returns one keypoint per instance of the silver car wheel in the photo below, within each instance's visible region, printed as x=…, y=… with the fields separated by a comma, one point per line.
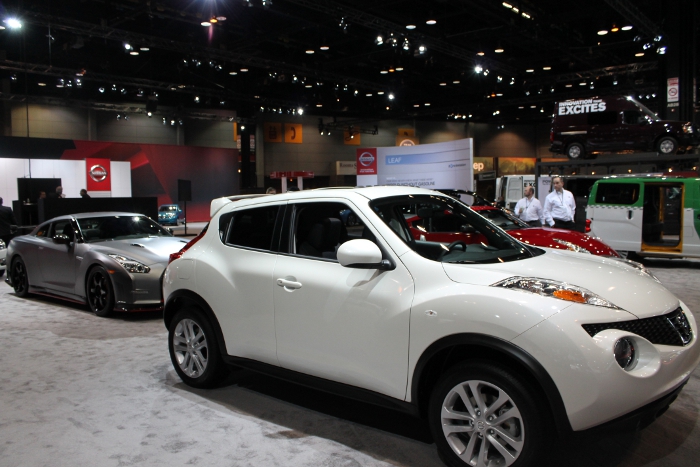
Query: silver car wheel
x=667, y=146
x=190, y=347
x=482, y=424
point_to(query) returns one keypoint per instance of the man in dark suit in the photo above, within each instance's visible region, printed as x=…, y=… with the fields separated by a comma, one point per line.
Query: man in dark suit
x=7, y=219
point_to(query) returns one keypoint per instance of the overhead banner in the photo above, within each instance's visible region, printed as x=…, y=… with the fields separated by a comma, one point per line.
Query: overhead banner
x=436, y=166
x=98, y=174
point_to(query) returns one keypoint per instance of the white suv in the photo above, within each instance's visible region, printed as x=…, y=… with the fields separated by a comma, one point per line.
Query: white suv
x=497, y=343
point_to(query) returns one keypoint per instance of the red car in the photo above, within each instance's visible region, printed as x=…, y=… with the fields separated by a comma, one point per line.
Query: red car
x=447, y=228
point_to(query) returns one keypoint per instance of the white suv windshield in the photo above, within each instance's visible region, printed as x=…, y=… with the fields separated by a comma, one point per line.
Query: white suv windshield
x=444, y=229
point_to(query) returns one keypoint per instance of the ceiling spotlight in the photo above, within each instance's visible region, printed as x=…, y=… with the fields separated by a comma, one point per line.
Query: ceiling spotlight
x=164, y=121
x=196, y=99
x=123, y=91
x=144, y=49
x=300, y=111
x=221, y=18
x=614, y=80
x=128, y=46
x=391, y=96
x=591, y=85
x=512, y=81
x=180, y=122
x=13, y=77
x=213, y=20
x=150, y=114
x=78, y=83
x=379, y=40
x=480, y=53
x=614, y=28
x=172, y=122
x=101, y=89
x=478, y=69
x=486, y=72
x=431, y=22
x=218, y=67
x=530, y=70
x=119, y=117
x=422, y=49
x=411, y=26
x=406, y=45
x=546, y=68
x=13, y=23
x=443, y=84
x=233, y=73
x=206, y=24
x=626, y=28
x=309, y=51
x=499, y=78
x=499, y=50
x=324, y=47
x=133, y=52
x=658, y=38
x=222, y=102
x=602, y=32
x=244, y=70
x=647, y=46
x=126, y=117
x=639, y=54
x=661, y=50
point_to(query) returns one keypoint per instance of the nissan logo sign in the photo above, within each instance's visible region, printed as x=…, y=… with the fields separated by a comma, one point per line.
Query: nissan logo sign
x=366, y=159
x=98, y=173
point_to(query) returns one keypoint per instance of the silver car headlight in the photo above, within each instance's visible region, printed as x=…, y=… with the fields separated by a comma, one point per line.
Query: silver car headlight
x=571, y=246
x=555, y=289
x=131, y=265
x=638, y=266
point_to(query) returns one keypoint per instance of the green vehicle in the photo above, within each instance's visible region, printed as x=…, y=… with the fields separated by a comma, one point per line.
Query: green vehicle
x=656, y=216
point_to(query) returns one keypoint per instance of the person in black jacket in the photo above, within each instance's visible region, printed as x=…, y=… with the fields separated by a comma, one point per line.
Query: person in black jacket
x=7, y=219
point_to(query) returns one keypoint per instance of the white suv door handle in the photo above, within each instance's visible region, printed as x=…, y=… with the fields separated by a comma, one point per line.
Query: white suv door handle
x=288, y=284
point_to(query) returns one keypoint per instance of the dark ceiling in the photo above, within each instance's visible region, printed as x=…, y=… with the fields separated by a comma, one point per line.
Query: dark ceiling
x=76, y=48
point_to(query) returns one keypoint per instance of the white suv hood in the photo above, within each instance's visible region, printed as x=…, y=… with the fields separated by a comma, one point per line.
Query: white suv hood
x=617, y=282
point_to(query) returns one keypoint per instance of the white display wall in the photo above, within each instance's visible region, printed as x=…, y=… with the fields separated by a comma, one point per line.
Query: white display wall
x=72, y=175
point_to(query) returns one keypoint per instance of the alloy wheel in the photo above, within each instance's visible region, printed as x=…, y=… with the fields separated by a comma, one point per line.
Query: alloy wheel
x=19, y=277
x=98, y=292
x=190, y=347
x=482, y=424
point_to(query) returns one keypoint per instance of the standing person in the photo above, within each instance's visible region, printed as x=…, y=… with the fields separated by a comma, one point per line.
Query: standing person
x=560, y=206
x=58, y=193
x=7, y=219
x=529, y=209
x=84, y=193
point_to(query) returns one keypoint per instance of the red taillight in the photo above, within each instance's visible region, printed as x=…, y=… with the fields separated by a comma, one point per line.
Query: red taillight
x=588, y=225
x=174, y=256
x=551, y=136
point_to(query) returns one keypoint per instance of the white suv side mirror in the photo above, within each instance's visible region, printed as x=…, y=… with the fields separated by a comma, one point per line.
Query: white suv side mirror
x=361, y=254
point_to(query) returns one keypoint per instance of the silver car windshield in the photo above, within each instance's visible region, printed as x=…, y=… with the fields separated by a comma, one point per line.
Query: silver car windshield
x=447, y=230
x=97, y=229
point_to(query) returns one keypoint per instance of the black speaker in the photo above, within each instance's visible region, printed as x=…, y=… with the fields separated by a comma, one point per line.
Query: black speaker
x=151, y=105
x=184, y=190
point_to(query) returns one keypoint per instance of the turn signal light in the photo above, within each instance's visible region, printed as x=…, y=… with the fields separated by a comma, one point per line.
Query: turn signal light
x=570, y=295
x=177, y=255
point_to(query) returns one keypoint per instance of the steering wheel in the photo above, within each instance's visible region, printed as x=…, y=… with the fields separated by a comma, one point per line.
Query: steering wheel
x=452, y=246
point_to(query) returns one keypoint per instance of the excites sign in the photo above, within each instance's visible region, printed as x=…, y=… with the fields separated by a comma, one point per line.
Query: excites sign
x=583, y=106
x=98, y=175
x=367, y=161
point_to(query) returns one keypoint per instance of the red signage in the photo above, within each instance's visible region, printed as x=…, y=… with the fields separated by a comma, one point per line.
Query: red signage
x=367, y=161
x=98, y=175
x=295, y=174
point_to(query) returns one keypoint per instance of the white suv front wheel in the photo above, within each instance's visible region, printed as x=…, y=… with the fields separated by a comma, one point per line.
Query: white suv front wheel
x=194, y=350
x=481, y=415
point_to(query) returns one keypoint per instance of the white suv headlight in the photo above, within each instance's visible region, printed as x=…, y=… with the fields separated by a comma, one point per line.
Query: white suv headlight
x=571, y=246
x=130, y=265
x=555, y=289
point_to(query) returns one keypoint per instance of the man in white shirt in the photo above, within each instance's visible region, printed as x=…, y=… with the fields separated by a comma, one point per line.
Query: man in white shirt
x=560, y=206
x=529, y=209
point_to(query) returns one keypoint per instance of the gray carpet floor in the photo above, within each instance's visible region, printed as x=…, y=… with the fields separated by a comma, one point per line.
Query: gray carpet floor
x=80, y=390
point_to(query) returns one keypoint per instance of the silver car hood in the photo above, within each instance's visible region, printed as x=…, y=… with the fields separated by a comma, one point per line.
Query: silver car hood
x=616, y=281
x=146, y=250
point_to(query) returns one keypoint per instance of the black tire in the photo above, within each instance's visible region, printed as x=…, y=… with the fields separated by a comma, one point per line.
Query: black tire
x=194, y=349
x=99, y=292
x=20, y=278
x=667, y=145
x=575, y=151
x=480, y=429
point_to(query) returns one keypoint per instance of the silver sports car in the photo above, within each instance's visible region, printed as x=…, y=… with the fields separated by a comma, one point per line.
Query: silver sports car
x=113, y=261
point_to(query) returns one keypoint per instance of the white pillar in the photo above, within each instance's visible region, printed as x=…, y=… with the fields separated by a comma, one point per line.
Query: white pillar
x=300, y=183
x=284, y=184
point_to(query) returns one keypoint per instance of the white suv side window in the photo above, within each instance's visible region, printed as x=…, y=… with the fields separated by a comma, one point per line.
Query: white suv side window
x=320, y=228
x=249, y=228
